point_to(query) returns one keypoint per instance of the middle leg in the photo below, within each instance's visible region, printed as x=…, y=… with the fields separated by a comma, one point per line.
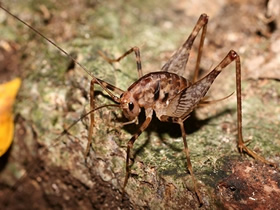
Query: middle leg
x=137, y=55
x=189, y=164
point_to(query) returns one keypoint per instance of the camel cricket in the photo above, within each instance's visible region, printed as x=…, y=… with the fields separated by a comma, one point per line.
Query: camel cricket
x=166, y=93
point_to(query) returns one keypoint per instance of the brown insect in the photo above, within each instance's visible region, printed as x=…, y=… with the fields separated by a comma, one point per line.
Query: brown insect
x=167, y=93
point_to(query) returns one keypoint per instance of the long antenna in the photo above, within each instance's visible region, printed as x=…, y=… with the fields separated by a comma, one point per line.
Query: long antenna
x=46, y=38
x=83, y=116
x=116, y=99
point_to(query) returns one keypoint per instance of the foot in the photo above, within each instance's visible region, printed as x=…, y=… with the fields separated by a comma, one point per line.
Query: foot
x=244, y=149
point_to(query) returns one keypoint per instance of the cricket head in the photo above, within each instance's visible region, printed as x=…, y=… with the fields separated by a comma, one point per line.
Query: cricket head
x=129, y=106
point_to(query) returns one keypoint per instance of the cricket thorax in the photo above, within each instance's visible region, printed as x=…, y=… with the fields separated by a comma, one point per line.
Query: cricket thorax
x=152, y=91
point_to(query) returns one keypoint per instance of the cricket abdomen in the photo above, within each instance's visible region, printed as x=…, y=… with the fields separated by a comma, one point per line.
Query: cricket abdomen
x=155, y=89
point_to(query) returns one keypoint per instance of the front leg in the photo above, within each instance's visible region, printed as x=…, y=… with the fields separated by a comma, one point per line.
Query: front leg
x=130, y=143
x=107, y=87
x=92, y=106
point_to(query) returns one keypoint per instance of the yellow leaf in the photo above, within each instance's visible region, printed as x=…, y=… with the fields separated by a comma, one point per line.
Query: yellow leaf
x=8, y=92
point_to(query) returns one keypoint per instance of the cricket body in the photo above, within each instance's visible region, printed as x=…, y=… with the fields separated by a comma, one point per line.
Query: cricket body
x=167, y=93
x=173, y=98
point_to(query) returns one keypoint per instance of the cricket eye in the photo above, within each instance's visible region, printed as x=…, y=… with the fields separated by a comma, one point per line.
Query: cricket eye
x=130, y=106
